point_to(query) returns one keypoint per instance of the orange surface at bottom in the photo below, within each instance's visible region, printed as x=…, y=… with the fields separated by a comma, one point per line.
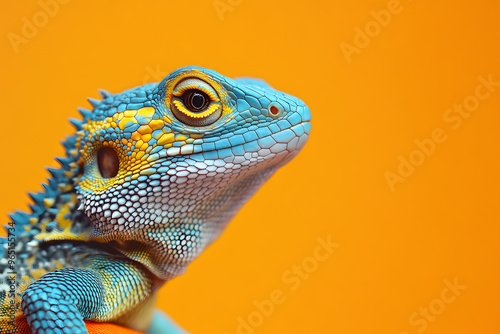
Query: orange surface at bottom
x=92, y=327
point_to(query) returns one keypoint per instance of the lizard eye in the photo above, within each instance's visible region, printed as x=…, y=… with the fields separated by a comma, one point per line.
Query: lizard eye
x=108, y=162
x=195, y=102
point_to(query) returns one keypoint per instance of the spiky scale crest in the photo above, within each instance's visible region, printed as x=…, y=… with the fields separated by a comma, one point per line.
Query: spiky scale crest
x=51, y=189
x=56, y=173
x=36, y=209
x=77, y=123
x=104, y=93
x=94, y=102
x=20, y=218
x=37, y=197
x=65, y=162
x=86, y=113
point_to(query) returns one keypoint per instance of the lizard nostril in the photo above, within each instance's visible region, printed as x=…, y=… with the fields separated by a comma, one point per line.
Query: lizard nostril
x=274, y=110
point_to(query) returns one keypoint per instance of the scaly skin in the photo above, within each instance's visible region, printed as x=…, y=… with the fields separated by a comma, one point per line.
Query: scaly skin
x=151, y=178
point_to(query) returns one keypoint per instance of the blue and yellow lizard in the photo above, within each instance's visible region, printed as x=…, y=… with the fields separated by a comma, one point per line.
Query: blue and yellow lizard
x=151, y=178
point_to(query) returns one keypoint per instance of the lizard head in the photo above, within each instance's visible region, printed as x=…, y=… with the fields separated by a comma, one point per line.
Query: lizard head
x=167, y=165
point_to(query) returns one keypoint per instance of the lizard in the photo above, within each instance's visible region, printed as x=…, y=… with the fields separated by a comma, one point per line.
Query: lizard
x=151, y=177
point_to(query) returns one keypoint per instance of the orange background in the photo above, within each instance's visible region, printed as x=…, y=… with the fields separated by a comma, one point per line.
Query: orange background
x=397, y=248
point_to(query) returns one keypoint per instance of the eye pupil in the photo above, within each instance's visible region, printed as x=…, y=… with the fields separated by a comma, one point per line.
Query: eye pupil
x=108, y=162
x=196, y=100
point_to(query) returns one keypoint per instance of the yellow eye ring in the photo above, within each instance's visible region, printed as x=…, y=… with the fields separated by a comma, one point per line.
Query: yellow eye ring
x=210, y=110
x=195, y=102
x=191, y=109
x=178, y=92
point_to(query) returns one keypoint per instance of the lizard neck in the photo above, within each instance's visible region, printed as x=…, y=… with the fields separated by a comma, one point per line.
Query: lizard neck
x=54, y=213
x=167, y=249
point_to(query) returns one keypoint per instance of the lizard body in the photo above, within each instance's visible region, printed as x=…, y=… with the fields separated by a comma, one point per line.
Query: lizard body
x=151, y=178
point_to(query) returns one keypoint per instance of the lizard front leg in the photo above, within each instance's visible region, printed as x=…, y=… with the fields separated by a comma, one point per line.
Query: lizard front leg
x=60, y=300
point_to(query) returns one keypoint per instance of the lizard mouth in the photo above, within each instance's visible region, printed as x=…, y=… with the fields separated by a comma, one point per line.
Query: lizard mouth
x=291, y=139
x=293, y=150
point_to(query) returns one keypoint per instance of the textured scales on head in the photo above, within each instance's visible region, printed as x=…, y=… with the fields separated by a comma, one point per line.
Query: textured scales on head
x=156, y=172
